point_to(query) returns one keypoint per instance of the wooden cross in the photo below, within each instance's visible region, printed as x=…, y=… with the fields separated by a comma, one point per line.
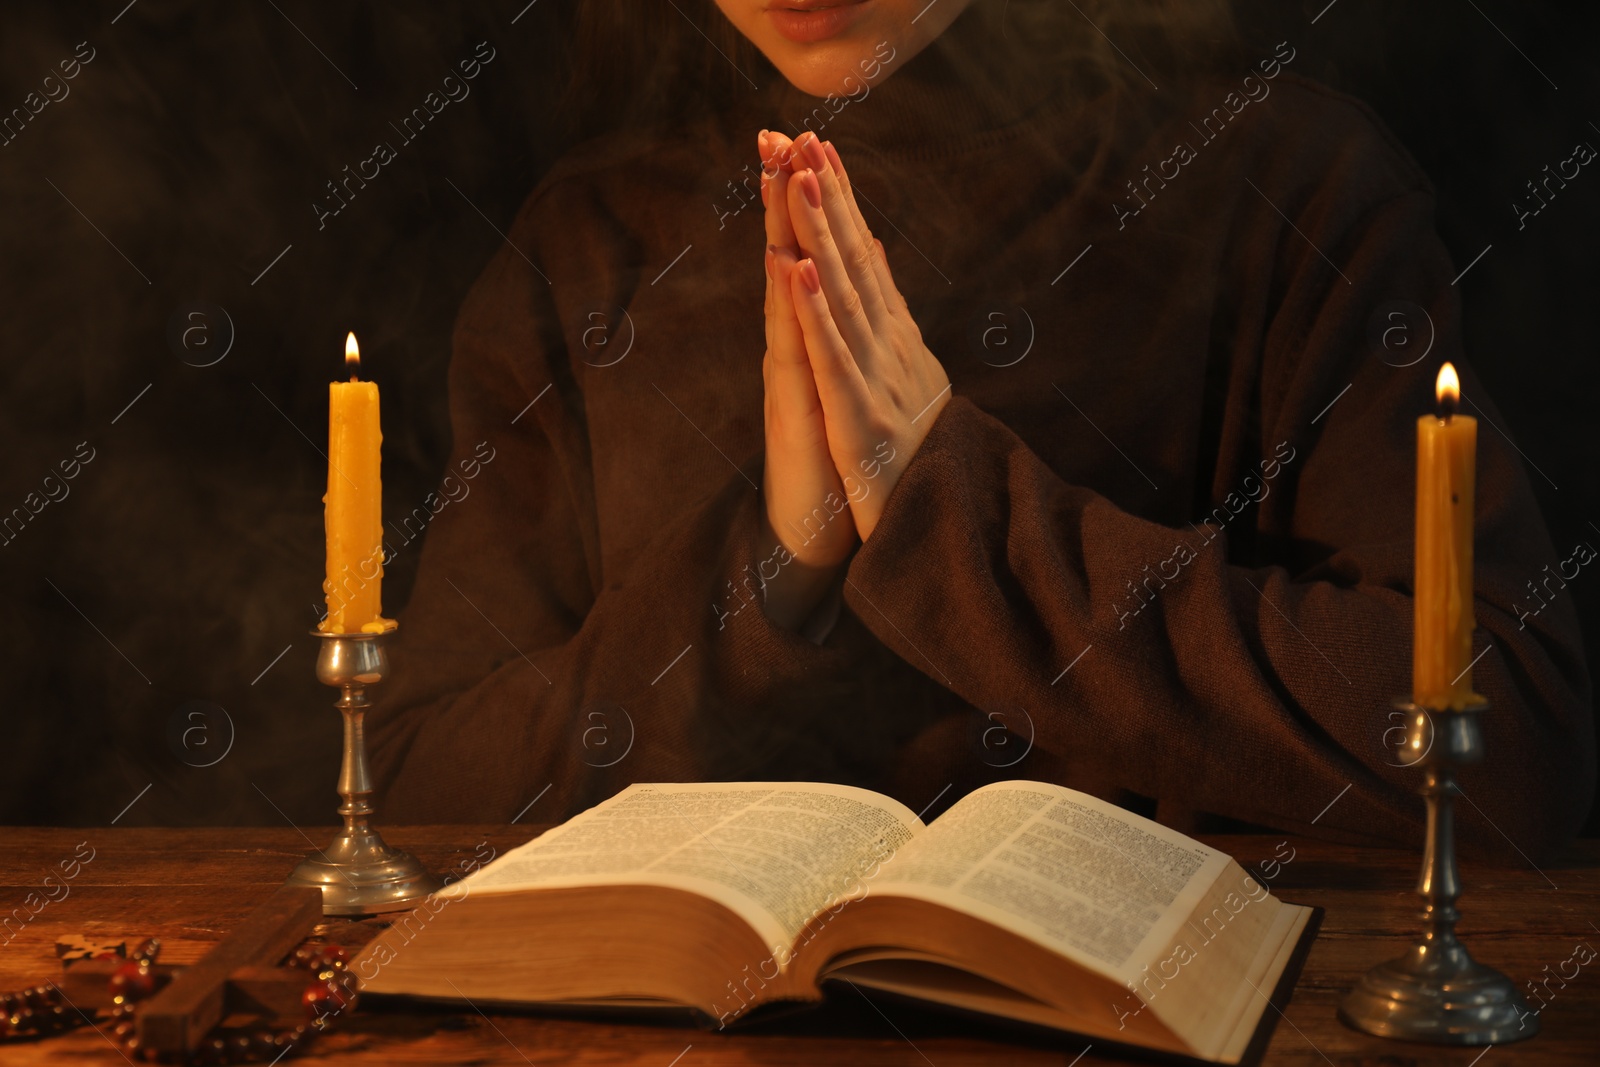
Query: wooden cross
x=240, y=975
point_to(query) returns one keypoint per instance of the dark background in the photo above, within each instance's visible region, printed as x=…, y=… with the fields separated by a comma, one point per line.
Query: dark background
x=140, y=614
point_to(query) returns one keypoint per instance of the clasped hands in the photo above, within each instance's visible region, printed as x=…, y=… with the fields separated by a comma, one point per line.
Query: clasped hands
x=850, y=389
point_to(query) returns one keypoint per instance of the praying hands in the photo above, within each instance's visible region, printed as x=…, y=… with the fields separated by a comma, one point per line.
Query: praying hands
x=851, y=390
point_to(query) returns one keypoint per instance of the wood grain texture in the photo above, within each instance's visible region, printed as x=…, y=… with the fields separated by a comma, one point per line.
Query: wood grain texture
x=191, y=887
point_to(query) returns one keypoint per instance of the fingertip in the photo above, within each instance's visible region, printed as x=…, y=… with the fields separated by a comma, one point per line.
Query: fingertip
x=780, y=148
x=809, y=278
x=810, y=146
x=833, y=159
x=811, y=187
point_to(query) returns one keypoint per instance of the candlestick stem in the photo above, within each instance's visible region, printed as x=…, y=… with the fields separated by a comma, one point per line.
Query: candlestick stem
x=1437, y=992
x=359, y=874
x=1440, y=880
x=355, y=782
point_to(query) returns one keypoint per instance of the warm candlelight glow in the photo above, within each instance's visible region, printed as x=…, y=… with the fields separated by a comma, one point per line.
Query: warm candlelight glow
x=354, y=512
x=1447, y=388
x=1441, y=675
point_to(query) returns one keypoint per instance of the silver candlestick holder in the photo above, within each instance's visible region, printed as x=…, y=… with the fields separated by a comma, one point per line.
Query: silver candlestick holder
x=1437, y=992
x=359, y=874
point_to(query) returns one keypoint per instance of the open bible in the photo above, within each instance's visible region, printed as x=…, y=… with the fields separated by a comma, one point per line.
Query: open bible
x=1026, y=901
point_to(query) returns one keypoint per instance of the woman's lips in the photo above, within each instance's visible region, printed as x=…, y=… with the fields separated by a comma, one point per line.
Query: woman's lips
x=803, y=22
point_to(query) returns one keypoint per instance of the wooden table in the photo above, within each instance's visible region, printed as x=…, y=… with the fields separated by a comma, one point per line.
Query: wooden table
x=190, y=886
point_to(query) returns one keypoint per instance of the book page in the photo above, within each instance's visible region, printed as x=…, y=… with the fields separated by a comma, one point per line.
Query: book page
x=1082, y=877
x=777, y=854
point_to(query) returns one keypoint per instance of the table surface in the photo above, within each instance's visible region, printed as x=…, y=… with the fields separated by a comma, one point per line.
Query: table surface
x=191, y=886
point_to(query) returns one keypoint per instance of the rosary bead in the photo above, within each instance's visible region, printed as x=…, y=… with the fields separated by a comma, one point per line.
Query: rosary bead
x=132, y=982
x=340, y=993
x=324, y=998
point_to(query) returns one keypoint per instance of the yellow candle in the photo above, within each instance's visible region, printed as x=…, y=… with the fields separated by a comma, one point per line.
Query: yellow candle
x=1441, y=655
x=354, y=512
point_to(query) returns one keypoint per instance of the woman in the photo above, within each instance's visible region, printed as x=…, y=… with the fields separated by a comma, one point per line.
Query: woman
x=1081, y=449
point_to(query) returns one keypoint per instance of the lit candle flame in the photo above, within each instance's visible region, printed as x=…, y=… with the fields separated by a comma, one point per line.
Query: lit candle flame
x=352, y=353
x=1447, y=389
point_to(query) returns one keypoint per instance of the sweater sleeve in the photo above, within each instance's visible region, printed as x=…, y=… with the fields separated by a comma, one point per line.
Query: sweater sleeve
x=519, y=666
x=1248, y=667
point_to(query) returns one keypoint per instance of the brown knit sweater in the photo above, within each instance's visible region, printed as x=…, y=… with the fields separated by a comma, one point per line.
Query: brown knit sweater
x=1162, y=533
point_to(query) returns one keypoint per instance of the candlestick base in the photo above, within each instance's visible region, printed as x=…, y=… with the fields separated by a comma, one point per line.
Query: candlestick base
x=1437, y=992
x=1442, y=997
x=359, y=874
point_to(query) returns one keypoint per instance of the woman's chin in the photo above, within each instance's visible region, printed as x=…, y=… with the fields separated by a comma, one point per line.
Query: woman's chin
x=841, y=67
x=819, y=82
